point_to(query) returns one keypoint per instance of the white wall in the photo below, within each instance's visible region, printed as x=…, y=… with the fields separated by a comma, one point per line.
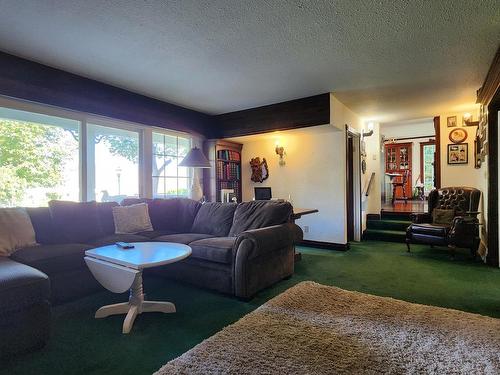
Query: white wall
x=372, y=203
x=407, y=129
x=340, y=116
x=465, y=174
x=315, y=172
x=459, y=174
x=313, y=177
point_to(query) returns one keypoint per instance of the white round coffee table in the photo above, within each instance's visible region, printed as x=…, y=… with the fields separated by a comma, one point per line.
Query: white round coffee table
x=119, y=270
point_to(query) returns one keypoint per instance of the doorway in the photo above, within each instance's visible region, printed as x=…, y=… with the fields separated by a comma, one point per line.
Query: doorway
x=408, y=165
x=427, y=170
x=353, y=186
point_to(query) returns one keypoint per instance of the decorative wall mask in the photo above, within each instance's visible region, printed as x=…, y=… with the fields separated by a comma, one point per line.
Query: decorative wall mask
x=260, y=171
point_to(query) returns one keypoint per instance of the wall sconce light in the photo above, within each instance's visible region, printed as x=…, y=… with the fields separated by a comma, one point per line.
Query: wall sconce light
x=468, y=120
x=370, y=130
x=280, y=151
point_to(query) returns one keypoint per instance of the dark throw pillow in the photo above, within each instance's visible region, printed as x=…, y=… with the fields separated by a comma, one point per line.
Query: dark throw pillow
x=78, y=222
x=442, y=216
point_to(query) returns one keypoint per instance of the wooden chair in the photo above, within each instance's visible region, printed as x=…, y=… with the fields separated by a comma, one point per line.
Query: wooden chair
x=402, y=185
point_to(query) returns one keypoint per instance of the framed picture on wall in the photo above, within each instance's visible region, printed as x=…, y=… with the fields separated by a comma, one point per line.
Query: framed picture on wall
x=458, y=153
x=458, y=135
x=451, y=121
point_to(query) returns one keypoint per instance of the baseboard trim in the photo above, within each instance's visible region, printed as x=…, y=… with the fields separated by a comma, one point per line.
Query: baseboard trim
x=325, y=245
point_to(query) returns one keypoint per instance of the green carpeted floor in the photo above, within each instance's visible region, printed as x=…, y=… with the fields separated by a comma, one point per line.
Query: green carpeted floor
x=81, y=344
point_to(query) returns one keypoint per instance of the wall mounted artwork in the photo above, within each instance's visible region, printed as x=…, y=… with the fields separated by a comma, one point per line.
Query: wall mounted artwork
x=458, y=153
x=260, y=171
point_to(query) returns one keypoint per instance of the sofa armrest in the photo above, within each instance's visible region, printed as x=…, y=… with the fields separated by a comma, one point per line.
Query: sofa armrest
x=270, y=238
x=263, y=257
x=419, y=218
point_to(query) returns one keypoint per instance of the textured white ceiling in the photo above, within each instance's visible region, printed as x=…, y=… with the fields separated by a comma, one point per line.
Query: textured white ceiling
x=387, y=60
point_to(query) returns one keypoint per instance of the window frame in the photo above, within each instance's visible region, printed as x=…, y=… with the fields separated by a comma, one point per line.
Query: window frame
x=145, y=133
x=189, y=177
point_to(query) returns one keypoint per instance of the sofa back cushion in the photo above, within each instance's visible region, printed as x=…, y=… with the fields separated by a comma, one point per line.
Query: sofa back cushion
x=105, y=213
x=78, y=222
x=172, y=214
x=259, y=214
x=163, y=213
x=44, y=227
x=16, y=230
x=188, y=208
x=214, y=218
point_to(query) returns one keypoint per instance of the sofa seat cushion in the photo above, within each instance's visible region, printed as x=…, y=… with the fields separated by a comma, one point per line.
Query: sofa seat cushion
x=52, y=259
x=21, y=286
x=113, y=238
x=438, y=230
x=156, y=233
x=217, y=249
x=185, y=238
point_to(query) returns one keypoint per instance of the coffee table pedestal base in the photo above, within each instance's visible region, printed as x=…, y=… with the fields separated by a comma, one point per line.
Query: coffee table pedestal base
x=135, y=306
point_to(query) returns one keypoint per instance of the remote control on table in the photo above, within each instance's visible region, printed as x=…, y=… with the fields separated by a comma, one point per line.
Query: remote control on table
x=124, y=245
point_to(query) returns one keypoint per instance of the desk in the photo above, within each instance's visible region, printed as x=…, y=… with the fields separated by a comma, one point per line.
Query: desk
x=297, y=214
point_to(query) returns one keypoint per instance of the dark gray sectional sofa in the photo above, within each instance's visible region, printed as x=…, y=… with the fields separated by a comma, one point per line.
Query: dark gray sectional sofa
x=237, y=249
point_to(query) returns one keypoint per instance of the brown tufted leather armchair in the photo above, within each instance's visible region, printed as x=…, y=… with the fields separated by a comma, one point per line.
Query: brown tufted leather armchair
x=464, y=229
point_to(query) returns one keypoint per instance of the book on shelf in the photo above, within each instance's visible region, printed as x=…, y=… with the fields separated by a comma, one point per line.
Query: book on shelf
x=228, y=155
x=228, y=171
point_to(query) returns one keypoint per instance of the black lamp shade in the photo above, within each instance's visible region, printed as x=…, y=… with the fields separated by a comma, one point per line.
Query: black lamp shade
x=195, y=159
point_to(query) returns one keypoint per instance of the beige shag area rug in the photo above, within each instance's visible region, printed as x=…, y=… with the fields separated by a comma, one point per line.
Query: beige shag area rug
x=317, y=329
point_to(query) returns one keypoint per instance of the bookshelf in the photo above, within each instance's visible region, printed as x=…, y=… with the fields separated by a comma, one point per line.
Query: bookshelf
x=225, y=158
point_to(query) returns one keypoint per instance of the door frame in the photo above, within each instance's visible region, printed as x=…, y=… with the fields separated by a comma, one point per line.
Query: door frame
x=437, y=157
x=356, y=181
x=493, y=227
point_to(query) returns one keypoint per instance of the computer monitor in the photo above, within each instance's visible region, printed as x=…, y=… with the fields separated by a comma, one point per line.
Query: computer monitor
x=262, y=193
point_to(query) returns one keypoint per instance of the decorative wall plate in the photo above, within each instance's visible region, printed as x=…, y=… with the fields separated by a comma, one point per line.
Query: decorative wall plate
x=458, y=135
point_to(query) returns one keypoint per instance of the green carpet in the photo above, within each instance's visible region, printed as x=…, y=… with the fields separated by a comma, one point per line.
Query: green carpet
x=81, y=344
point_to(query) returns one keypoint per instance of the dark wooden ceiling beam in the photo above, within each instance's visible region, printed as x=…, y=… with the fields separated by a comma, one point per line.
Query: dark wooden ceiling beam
x=31, y=81
x=293, y=114
x=491, y=82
